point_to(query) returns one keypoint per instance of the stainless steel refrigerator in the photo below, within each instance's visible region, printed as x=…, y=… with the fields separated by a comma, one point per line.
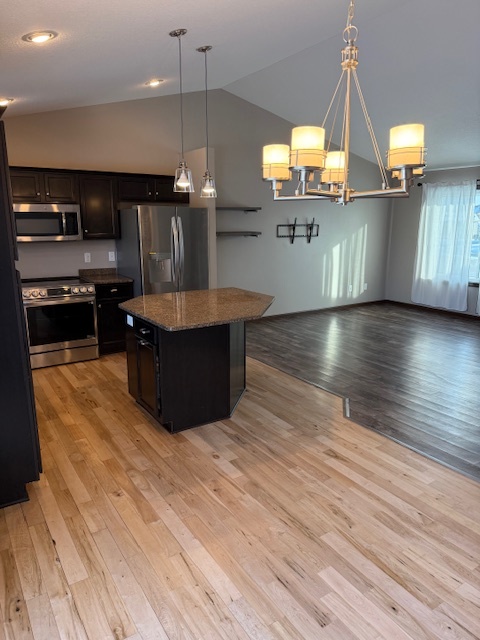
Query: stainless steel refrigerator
x=163, y=248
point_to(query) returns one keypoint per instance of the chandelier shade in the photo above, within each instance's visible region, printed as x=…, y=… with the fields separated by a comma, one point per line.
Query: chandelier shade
x=276, y=158
x=334, y=168
x=309, y=154
x=406, y=145
x=307, y=148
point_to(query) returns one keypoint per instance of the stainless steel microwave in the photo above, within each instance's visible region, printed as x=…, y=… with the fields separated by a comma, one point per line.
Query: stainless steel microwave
x=47, y=222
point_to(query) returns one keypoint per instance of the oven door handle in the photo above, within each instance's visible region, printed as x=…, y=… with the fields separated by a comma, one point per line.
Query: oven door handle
x=40, y=302
x=64, y=223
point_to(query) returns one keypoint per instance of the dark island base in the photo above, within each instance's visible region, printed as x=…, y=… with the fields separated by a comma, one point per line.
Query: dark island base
x=186, y=378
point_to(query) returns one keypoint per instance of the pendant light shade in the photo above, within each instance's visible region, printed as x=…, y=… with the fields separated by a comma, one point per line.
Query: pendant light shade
x=183, y=179
x=207, y=189
x=183, y=176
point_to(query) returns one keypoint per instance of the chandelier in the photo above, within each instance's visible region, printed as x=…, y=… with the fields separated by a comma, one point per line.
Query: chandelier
x=309, y=159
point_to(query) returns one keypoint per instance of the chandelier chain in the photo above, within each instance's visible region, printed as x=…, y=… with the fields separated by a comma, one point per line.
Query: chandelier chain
x=351, y=13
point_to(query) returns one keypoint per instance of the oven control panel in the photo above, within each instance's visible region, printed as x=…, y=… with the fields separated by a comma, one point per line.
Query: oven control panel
x=57, y=292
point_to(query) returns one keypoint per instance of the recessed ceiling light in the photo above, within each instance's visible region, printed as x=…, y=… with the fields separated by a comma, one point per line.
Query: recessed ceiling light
x=38, y=37
x=4, y=102
x=154, y=82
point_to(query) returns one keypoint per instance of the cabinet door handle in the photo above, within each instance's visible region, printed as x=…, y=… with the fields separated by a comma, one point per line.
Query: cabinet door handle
x=48, y=193
x=144, y=331
x=144, y=343
x=38, y=193
x=99, y=306
x=113, y=290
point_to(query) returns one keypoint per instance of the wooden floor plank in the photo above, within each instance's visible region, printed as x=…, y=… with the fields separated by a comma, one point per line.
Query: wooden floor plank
x=287, y=521
x=409, y=373
x=42, y=619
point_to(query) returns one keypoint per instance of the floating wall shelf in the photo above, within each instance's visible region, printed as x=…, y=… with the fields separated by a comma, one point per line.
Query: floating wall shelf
x=246, y=234
x=244, y=209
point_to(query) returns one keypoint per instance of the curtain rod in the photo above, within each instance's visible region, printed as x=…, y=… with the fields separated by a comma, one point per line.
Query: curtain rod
x=420, y=184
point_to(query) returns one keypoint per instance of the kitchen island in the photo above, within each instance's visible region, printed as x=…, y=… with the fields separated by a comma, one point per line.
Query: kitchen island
x=186, y=353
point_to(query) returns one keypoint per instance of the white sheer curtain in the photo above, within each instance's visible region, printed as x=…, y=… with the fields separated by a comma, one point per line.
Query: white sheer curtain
x=440, y=276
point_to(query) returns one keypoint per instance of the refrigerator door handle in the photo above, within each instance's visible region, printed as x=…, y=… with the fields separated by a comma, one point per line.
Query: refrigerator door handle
x=173, y=250
x=181, y=251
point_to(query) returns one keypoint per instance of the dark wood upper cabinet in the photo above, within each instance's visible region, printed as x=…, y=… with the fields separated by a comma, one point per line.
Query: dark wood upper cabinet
x=60, y=187
x=98, y=194
x=26, y=186
x=149, y=188
x=42, y=186
x=98, y=208
x=164, y=191
x=135, y=188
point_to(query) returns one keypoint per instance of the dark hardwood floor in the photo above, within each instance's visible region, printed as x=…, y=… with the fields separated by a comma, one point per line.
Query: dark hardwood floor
x=411, y=374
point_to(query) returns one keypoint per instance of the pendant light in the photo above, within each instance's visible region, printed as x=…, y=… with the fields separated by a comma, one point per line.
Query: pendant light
x=183, y=176
x=208, y=189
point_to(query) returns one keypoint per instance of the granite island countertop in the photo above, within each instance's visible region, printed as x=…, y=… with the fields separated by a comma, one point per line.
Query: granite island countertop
x=195, y=309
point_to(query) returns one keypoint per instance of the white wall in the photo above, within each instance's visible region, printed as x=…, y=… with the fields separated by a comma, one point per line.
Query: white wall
x=403, y=240
x=47, y=259
x=143, y=136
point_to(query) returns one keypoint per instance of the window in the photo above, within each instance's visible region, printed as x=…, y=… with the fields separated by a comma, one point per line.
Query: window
x=474, y=272
x=444, y=246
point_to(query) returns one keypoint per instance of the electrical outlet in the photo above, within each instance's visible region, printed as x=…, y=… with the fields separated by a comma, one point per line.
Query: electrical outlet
x=350, y=288
x=87, y=257
x=111, y=256
x=365, y=286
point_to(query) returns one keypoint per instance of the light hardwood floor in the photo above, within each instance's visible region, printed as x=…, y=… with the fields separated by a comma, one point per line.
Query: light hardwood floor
x=285, y=522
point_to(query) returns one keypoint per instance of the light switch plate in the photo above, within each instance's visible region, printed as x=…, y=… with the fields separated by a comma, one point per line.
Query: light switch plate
x=111, y=256
x=87, y=257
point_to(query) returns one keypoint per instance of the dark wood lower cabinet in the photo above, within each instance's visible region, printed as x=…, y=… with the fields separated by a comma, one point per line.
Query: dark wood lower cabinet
x=186, y=378
x=148, y=377
x=110, y=319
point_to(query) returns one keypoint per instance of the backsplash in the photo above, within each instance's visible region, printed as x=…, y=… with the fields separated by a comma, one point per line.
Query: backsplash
x=49, y=259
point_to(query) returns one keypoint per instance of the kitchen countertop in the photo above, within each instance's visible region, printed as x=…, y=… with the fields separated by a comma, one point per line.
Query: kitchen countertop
x=102, y=276
x=195, y=309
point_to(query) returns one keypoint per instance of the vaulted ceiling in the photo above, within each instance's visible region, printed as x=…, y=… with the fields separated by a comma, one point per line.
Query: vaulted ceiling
x=419, y=60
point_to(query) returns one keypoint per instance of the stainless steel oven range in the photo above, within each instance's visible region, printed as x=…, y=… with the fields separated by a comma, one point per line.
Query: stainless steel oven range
x=61, y=319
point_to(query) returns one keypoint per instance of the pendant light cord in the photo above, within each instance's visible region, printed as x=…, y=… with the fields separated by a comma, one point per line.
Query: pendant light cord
x=181, y=90
x=206, y=106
